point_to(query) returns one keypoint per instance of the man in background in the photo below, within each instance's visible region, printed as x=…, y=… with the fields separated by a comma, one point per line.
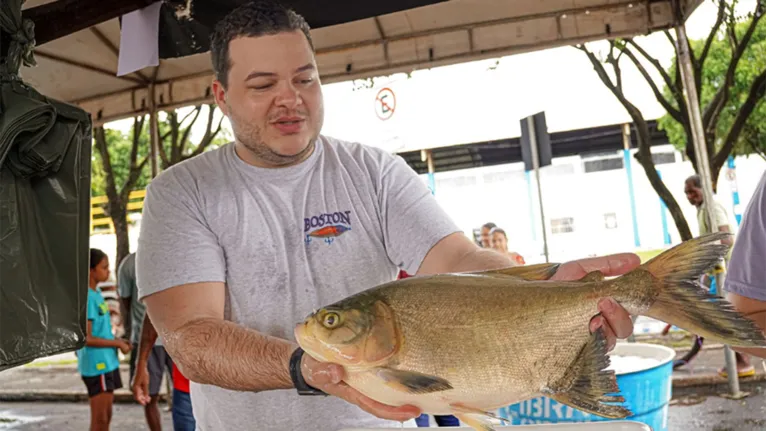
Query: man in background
x=158, y=358
x=693, y=191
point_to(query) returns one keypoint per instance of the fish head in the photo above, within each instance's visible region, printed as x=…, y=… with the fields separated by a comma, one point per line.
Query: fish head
x=355, y=336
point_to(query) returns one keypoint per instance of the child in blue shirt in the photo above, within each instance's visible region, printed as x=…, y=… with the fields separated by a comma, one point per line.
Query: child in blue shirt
x=97, y=362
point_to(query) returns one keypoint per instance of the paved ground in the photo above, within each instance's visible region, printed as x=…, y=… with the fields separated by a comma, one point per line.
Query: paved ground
x=72, y=416
x=719, y=414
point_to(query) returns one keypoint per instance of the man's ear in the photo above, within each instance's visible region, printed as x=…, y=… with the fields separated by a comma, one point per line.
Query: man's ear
x=219, y=94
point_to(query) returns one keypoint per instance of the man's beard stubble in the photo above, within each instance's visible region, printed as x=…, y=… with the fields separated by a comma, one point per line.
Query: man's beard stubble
x=250, y=136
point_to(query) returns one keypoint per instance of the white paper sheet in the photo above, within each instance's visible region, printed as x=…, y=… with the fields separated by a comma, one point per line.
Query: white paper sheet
x=139, y=44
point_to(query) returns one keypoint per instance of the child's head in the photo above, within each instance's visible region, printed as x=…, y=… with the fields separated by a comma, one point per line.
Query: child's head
x=99, y=265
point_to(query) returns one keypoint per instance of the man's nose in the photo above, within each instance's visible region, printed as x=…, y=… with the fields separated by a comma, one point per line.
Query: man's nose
x=289, y=96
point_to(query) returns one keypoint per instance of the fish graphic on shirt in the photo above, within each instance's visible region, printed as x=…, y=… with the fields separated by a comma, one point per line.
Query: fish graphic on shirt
x=330, y=231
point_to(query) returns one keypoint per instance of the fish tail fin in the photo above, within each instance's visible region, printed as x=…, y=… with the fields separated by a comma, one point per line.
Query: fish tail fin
x=681, y=301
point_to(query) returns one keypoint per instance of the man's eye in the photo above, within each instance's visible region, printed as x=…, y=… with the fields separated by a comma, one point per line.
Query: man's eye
x=262, y=86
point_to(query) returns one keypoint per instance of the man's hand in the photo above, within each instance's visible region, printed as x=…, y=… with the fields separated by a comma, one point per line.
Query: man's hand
x=613, y=317
x=328, y=377
x=140, y=384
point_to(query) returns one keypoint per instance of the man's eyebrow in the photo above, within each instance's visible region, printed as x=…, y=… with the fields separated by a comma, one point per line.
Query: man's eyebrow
x=304, y=68
x=259, y=74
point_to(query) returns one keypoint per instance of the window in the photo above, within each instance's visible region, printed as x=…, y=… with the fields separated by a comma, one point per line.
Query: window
x=663, y=158
x=562, y=225
x=610, y=221
x=607, y=164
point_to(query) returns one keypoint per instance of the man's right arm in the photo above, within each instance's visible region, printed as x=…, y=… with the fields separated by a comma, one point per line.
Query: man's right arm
x=210, y=350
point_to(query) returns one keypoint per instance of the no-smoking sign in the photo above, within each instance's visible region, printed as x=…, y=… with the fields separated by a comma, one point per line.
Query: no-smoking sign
x=385, y=103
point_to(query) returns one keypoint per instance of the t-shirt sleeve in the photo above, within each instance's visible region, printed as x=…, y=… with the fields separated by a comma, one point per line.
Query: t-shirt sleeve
x=721, y=218
x=176, y=246
x=92, y=313
x=747, y=273
x=413, y=222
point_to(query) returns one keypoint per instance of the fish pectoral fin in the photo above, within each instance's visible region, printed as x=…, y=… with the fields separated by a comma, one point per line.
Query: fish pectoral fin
x=593, y=276
x=542, y=271
x=413, y=382
x=475, y=421
x=587, y=385
x=459, y=408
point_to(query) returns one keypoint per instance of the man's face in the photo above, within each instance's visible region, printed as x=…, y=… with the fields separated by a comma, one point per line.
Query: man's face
x=693, y=194
x=486, y=241
x=274, y=97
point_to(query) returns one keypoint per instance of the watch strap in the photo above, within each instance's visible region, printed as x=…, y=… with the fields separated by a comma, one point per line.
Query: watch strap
x=296, y=375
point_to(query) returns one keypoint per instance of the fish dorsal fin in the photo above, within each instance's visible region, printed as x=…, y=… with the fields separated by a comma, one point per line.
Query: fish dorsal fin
x=592, y=276
x=541, y=271
x=587, y=386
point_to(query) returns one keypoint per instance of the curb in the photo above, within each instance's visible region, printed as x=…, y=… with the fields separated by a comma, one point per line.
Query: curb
x=122, y=396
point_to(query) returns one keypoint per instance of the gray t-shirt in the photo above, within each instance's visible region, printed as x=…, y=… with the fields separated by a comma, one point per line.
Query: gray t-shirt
x=285, y=241
x=747, y=268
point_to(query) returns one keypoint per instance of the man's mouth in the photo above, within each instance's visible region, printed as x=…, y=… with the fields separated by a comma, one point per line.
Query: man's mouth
x=289, y=125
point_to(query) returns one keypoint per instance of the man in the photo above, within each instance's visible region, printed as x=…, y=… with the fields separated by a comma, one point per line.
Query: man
x=693, y=191
x=486, y=237
x=746, y=280
x=239, y=244
x=183, y=418
x=157, y=357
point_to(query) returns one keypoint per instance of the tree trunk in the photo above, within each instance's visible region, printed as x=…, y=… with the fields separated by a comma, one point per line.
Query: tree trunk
x=644, y=157
x=120, y=221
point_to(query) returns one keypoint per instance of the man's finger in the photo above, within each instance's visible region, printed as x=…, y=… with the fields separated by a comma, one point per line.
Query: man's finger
x=617, y=317
x=399, y=414
x=599, y=322
x=320, y=373
x=612, y=265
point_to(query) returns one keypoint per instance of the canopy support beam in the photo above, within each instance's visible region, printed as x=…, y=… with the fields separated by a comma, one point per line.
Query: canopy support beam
x=81, y=14
x=703, y=169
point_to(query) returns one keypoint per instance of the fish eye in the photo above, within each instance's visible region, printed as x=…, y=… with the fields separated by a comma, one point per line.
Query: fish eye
x=331, y=320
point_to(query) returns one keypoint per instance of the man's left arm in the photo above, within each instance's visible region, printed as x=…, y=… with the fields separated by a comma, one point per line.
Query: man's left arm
x=422, y=239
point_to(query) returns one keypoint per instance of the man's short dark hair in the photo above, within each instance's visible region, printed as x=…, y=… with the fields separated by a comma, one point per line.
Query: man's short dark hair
x=695, y=180
x=489, y=225
x=252, y=19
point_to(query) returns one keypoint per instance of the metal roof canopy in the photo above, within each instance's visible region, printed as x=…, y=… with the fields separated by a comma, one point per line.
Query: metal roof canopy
x=592, y=140
x=80, y=68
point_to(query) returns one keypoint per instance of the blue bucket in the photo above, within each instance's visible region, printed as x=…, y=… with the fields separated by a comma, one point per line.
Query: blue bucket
x=646, y=388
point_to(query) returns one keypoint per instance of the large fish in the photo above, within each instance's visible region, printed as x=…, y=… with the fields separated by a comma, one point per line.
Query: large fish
x=467, y=344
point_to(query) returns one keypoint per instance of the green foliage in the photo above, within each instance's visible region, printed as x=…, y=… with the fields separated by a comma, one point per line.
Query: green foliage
x=119, y=145
x=753, y=62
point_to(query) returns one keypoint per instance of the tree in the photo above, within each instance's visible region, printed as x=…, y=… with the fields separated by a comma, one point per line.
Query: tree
x=175, y=146
x=741, y=109
x=120, y=175
x=727, y=97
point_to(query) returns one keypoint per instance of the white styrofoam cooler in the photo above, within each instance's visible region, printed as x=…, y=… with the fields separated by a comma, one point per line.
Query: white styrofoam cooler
x=595, y=426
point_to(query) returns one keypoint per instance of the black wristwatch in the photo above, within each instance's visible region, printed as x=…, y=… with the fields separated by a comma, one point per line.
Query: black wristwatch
x=297, y=376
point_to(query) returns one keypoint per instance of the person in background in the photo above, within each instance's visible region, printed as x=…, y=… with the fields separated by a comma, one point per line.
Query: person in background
x=183, y=417
x=486, y=239
x=693, y=191
x=97, y=361
x=499, y=240
x=746, y=278
x=157, y=357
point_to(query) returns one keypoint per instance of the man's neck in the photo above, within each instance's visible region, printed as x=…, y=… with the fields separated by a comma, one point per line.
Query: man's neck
x=251, y=158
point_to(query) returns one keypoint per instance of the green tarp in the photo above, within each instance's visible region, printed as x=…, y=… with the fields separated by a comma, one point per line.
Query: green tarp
x=45, y=152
